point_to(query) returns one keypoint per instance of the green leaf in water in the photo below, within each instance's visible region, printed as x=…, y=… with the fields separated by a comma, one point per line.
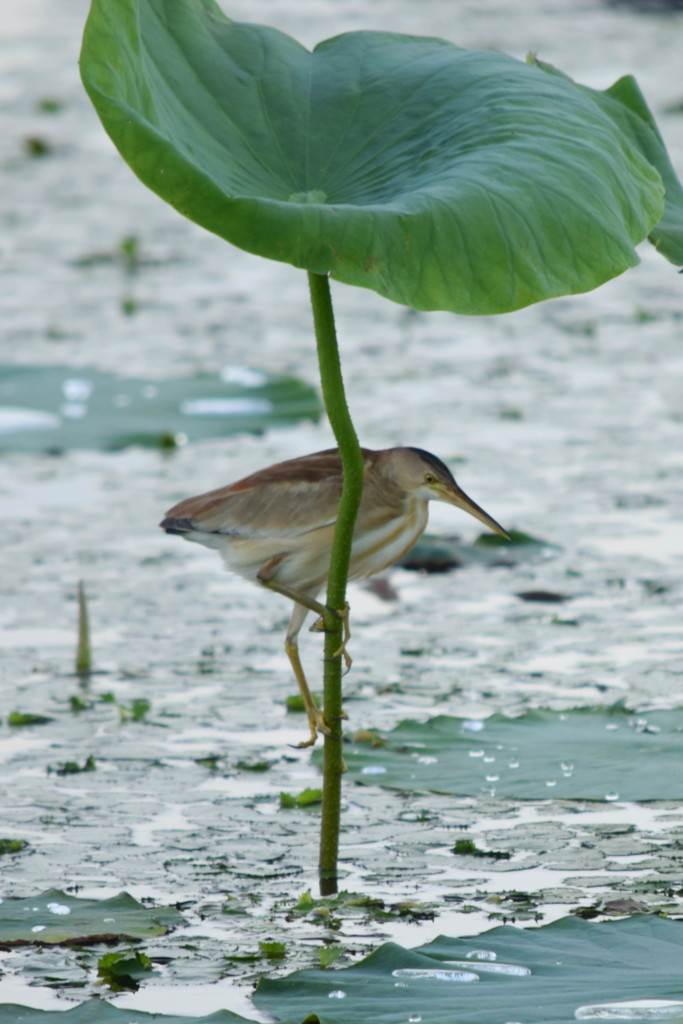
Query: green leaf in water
x=254, y=766
x=18, y=719
x=306, y=798
x=77, y=704
x=122, y=971
x=139, y=708
x=54, y=917
x=73, y=767
x=294, y=703
x=604, y=754
x=328, y=954
x=468, y=848
x=273, y=950
x=566, y=971
x=54, y=408
x=12, y=846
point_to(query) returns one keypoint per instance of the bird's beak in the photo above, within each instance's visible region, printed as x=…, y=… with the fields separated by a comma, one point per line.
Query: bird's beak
x=454, y=495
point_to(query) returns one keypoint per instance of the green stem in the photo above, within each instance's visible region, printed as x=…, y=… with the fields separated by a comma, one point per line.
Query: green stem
x=352, y=464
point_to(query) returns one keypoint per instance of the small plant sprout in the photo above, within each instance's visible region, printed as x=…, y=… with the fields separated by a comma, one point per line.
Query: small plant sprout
x=83, y=654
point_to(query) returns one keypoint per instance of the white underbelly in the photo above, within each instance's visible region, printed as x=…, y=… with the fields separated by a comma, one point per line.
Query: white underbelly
x=380, y=548
x=305, y=558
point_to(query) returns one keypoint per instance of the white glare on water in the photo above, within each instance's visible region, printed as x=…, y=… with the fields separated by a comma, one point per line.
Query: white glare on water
x=225, y=406
x=633, y=1009
x=492, y=968
x=434, y=974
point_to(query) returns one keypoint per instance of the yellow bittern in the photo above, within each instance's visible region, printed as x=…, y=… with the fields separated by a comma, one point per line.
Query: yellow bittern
x=275, y=528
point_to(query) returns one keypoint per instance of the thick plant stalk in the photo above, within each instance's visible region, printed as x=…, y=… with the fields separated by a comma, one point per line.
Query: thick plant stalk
x=352, y=463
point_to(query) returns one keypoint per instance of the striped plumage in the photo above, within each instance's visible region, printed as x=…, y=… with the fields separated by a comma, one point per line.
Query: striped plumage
x=275, y=527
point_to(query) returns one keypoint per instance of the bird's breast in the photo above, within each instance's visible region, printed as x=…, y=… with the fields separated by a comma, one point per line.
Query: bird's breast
x=379, y=546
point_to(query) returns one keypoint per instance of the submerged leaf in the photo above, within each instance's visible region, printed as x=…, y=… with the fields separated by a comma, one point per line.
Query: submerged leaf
x=55, y=917
x=441, y=554
x=549, y=975
x=584, y=753
x=54, y=408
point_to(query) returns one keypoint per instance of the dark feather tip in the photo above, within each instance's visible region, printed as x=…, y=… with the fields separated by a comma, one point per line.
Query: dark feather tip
x=178, y=526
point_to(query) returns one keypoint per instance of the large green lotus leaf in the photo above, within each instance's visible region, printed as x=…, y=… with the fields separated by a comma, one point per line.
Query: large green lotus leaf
x=440, y=177
x=96, y=1011
x=550, y=975
x=625, y=104
x=55, y=917
x=54, y=408
x=582, y=754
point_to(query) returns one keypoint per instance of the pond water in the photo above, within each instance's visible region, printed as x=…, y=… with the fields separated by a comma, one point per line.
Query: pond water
x=563, y=421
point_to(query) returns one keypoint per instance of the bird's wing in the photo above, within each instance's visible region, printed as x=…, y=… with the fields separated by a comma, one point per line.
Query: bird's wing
x=287, y=499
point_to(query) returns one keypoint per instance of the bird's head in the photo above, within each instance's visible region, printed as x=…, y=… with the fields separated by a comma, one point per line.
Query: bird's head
x=427, y=478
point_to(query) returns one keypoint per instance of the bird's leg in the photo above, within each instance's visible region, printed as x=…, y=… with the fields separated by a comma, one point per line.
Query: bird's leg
x=264, y=577
x=301, y=597
x=316, y=719
x=303, y=603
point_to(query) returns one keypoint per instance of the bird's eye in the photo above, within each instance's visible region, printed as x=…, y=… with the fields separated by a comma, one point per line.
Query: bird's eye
x=429, y=478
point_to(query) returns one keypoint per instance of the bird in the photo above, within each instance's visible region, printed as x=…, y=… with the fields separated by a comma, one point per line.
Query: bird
x=275, y=528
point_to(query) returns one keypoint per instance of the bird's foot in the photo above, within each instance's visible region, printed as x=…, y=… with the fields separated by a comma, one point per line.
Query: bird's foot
x=317, y=724
x=323, y=728
x=341, y=652
x=341, y=613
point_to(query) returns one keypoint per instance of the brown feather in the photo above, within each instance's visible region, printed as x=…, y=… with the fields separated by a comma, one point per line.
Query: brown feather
x=298, y=495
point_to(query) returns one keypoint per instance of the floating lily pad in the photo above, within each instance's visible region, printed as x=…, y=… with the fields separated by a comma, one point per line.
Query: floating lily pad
x=54, y=408
x=588, y=754
x=55, y=917
x=568, y=970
